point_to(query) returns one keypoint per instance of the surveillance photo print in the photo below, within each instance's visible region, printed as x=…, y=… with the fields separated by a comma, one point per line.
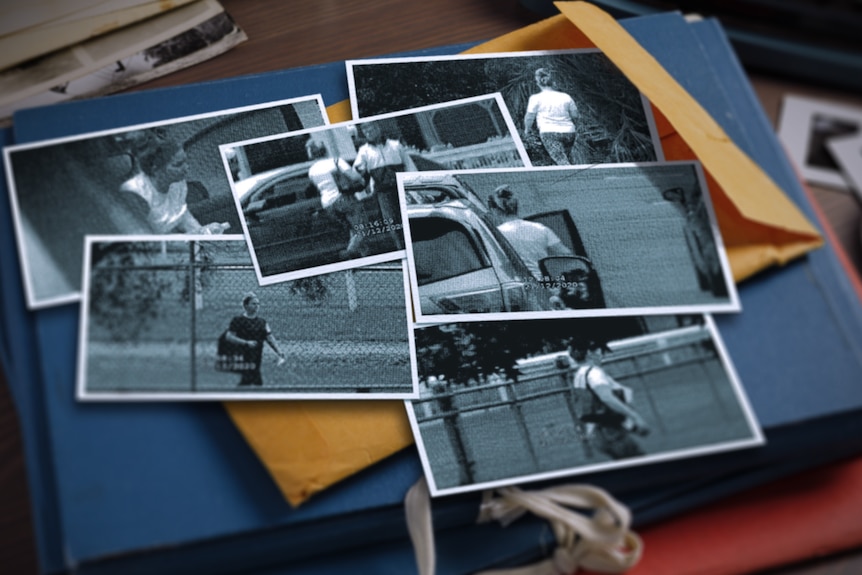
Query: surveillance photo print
x=169, y=318
x=507, y=402
x=571, y=107
x=601, y=240
x=326, y=199
x=162, y=177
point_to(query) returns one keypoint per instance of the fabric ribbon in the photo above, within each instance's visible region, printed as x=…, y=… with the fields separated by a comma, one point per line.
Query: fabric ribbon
x=590, y=526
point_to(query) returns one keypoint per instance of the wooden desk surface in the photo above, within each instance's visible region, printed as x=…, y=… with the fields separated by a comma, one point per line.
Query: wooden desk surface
x=289, y=34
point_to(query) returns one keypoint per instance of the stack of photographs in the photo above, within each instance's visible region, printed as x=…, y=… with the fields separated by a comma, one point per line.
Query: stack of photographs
x=824, y=138
x=507, y=253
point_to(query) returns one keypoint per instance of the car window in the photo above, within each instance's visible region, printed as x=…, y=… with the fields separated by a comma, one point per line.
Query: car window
x=310, y=192
x=281, y=194
x=443, y=249
x=285, y=192
x=439, y=194
x=427, y=196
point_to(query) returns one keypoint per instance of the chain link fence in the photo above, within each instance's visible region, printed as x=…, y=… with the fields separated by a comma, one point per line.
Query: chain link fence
x=155, y=310
x=504, y=428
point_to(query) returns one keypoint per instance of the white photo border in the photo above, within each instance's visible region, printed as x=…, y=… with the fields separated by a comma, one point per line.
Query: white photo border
x=34, y=301
x=848, y=154
x=796, y=130
x=732, y=304
x=756, y=438
x=83, y=394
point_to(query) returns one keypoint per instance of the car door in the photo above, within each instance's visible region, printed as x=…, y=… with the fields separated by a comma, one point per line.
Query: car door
x=563, y=225
x=453, y=272
x=289, y=228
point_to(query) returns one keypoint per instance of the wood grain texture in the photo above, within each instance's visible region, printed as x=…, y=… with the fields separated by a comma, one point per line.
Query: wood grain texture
x=285, y=34
x=291, y=34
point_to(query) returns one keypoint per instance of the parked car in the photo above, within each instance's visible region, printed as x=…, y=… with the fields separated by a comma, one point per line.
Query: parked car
x=463, y=264
x=288, y=226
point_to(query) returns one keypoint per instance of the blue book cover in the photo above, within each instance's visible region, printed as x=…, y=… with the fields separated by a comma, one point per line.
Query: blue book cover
x=174, y=488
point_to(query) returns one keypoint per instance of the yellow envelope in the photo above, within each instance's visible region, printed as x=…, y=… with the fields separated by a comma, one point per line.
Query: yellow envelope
x=308, y=446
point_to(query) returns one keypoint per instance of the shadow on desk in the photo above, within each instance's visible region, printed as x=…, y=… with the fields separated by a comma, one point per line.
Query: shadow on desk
x=18, y=550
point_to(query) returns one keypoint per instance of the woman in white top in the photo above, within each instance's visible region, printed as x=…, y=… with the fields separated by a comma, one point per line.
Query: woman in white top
x=603, y=405
x=378, y=160
x=344, y=206
x=160, y=181
x=553, y=113
x=532, y=240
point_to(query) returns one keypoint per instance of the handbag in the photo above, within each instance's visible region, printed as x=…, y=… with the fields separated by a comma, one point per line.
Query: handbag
x=230, y=356
x=347, y=183
x=385, y=177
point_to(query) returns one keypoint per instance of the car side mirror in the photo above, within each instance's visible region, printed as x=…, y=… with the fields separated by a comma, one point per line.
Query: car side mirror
x=556, y=267
x=574, y=282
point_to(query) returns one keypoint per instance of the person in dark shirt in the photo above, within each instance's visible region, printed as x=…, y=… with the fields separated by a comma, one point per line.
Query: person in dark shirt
x=249, y=332
x=580, y=287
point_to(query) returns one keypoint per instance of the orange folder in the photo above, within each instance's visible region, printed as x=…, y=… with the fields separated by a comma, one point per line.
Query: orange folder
x=811, y=514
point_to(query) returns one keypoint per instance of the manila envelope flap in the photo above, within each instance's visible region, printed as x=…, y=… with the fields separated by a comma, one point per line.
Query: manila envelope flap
x=308, y=446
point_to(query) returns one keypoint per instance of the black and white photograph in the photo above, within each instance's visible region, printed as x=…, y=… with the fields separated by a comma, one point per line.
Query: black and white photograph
x=508, y=402
x=181, y=318
x=578, y=241
x=570, y=106
x=326, y=199
x=156, y=178
x=847, y=152
x=123, y=58
x=807, y=126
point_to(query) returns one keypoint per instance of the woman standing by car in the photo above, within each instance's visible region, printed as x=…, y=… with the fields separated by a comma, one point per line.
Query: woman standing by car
x=532, y=240
x=553, y=113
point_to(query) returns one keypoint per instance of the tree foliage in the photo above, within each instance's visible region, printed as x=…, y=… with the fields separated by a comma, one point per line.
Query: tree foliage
x=613, y=128
x=313, y=289
x=462, y=351
x=123, y=300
